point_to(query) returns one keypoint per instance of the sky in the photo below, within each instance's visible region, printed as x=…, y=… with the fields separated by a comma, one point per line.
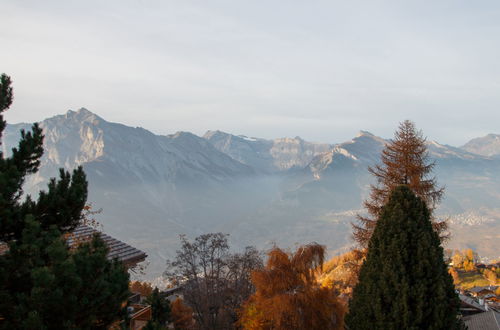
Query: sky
x=321, y=70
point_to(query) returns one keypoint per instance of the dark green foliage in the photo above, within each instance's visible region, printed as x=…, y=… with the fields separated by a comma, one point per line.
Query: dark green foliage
x=160, y=307
x=43, y=284
x=404, y=283
x=6, y=97
x=79, y=289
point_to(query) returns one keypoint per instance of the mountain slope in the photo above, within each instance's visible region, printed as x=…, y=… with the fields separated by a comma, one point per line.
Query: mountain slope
x=263, y=192
x=151, y=187
x=488, y=145
x=267, y=155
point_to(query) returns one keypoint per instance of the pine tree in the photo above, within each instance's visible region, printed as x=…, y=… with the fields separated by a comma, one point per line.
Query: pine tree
x=405, y=160
x=404, y=283
x=44, y=284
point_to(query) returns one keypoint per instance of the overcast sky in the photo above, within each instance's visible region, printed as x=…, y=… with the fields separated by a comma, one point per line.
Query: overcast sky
x=322, y=70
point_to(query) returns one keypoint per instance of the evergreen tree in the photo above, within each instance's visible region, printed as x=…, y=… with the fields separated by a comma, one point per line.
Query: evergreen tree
x=44, y=284
x=160, y=308
x=153, y=325
x=404, y=161
x=404, y=283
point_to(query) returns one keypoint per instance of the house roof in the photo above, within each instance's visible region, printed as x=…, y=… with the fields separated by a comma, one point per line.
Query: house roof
x=471, y=302
x=129, y=255
x=117, y=249
x=478, y=289
x=483, y=321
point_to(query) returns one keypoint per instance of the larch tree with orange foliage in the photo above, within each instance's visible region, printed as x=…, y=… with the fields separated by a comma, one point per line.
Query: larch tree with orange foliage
x=405, y=160
x=182, y=315
x=289, y=297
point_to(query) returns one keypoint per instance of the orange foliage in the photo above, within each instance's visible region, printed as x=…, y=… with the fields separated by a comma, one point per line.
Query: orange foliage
x=341, y=272
x=288, y=296
x=458, y=259
x=404, y=160
x=469, y=265
x=453, y=272
x=469, y=254
x=88, y=217
x=182, y=315
x=144, y=288
x=491, y=276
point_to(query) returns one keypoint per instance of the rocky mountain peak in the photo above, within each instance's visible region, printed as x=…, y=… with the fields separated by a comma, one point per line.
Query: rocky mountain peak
x=364, y=133
x=82, y=115
x=488, y=145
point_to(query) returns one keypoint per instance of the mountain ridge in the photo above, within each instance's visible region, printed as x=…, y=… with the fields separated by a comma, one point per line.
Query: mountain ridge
x=281, y=191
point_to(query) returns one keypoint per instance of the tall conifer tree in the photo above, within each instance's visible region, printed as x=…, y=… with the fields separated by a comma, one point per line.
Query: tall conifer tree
x=43, y=284
x=404, y=283
x=404, y=160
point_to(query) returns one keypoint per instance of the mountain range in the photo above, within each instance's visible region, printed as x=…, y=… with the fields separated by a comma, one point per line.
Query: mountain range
x=285, y=191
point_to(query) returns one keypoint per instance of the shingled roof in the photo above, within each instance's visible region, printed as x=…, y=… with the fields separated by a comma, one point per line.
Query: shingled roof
x=129, y=255
x=483, y=321
x=469, y=305
x=478, y=289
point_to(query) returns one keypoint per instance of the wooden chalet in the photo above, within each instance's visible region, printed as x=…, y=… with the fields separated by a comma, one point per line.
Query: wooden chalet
x=127, y=254
x=139, y=316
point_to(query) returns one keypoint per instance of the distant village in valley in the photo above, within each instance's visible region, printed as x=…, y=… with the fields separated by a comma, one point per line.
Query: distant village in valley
x=478, y=287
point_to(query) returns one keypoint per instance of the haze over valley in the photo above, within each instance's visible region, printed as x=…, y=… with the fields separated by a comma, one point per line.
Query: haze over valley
x=287, y=191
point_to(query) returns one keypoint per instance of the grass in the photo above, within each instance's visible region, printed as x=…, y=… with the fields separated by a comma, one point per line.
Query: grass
x=471, y=279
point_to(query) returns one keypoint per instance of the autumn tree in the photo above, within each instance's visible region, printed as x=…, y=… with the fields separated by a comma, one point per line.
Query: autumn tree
x=466, y=260
x=468, y=266
x=454, y=274
x=341, y=272
x=143, y=288
x=44, y=284
x=182, y=316
x=458, y=259
x=289, y=297
x=404, y=283
x=404, y=160
x=491, y=276
x=214, y=281
x=472, y=256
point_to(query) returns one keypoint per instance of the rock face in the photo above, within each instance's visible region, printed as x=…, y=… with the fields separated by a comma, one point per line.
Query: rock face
x=488, y=145
x=83, y=138
x=285, y=191
x=268, y=156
